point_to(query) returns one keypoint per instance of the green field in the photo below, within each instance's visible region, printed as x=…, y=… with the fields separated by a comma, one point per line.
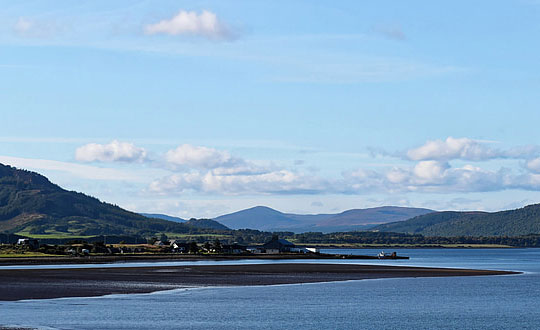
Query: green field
x=51, y=235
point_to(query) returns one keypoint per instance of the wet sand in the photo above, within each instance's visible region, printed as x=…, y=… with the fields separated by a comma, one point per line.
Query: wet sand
x=87, y=282
x=172, y=257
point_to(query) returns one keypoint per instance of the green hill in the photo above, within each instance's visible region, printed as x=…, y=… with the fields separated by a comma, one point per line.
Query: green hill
x=31, y=205
x=517, y=222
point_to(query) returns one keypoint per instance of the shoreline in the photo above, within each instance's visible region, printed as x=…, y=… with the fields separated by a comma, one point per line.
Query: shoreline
x=90, y=282
x=7, y=261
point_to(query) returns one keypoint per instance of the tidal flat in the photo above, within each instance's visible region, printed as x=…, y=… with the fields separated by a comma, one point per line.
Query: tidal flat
x=22, y=284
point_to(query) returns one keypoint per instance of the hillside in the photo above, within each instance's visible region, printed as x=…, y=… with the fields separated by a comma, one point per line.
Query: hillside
x=265, y=218
x=206, y=224
x=163, y=216
x=31, y=204
x=517, y=222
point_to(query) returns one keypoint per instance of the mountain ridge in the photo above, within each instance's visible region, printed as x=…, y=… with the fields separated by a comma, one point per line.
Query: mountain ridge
x=31, y=204
x=265, y=218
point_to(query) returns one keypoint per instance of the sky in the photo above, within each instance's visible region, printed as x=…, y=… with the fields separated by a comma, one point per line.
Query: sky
x=202, y=108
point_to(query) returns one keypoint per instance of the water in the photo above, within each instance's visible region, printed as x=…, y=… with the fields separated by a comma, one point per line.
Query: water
x=486, y=302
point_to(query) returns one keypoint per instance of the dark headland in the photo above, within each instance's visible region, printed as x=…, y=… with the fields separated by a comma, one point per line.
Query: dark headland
x=87, y=282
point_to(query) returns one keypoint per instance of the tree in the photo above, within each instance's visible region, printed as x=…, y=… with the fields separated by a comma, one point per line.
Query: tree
x=217, y=246
x=163, y=238
x=193, y=247
x=207, y=246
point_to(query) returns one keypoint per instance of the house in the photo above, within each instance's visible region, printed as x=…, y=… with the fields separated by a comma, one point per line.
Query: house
x=255, y=249
x=30, y=242
x=277, y=245
x=179, y=247
x=313, y=250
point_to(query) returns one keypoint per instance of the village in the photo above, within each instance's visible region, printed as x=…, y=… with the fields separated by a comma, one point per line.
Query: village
x=275, y=246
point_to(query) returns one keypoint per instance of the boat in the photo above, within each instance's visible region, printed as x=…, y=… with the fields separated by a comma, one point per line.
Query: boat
x=383, y=255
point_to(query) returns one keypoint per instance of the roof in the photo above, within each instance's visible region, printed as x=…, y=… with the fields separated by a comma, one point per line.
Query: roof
x=278, y=244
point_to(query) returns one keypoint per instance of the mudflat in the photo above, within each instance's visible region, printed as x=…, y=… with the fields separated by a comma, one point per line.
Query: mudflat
x=87, y=282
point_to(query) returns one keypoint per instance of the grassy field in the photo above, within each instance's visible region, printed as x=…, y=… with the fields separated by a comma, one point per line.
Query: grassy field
x=56, y=235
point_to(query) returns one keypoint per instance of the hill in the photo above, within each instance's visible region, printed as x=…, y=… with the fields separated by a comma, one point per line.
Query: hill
x=31, y=205
x=517, y=222
x=258, y=217
x=163, y=216
x=265, y=218
x=372, y=216
x=206, y=224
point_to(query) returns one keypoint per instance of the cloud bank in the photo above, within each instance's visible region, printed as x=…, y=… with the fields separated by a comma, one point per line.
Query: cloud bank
x=429, y=168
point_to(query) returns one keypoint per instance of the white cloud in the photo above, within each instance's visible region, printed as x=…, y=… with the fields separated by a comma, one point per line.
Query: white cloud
x=201, y=157
x=534, y=165
x=430, y=171
x=206, y=24
x=115, y=151
x=453, y=148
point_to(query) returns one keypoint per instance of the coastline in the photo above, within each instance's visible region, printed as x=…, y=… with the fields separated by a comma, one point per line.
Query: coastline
x=5, y=261
x=88, y=282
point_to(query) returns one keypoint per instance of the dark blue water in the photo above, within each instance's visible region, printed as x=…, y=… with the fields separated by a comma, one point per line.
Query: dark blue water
x=486, y=302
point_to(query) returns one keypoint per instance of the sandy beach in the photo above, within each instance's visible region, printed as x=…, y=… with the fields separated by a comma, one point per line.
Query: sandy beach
x=87, y=282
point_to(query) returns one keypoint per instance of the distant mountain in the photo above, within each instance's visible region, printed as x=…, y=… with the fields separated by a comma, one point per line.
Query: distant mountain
x=31, y=205
x=517, y=222
x=265, y=218
x=259, y=217
x=206, y=224
x=197, y=223
x=163, y=216
x=373, y=216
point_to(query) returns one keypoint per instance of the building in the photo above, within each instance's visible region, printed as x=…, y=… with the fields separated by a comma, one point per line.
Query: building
x=179, y=247
x=277, y=245
x=30, y=242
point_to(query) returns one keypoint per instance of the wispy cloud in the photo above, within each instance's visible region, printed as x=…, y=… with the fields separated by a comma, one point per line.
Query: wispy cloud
x=190, y=23
x=391, y=31
x=31, y=28
x=341, y=69
x=78, y=170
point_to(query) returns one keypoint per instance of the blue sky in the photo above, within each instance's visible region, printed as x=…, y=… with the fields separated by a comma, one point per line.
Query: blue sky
x=197, y=109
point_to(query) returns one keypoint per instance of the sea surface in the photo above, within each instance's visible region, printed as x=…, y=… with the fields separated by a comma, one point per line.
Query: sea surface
x=484, y=302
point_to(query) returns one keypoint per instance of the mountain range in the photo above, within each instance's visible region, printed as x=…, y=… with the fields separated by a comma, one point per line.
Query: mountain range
x=265, y=218
x=31, y=205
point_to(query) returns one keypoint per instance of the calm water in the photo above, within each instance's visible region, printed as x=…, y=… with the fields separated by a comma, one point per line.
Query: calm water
x=487, y=302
